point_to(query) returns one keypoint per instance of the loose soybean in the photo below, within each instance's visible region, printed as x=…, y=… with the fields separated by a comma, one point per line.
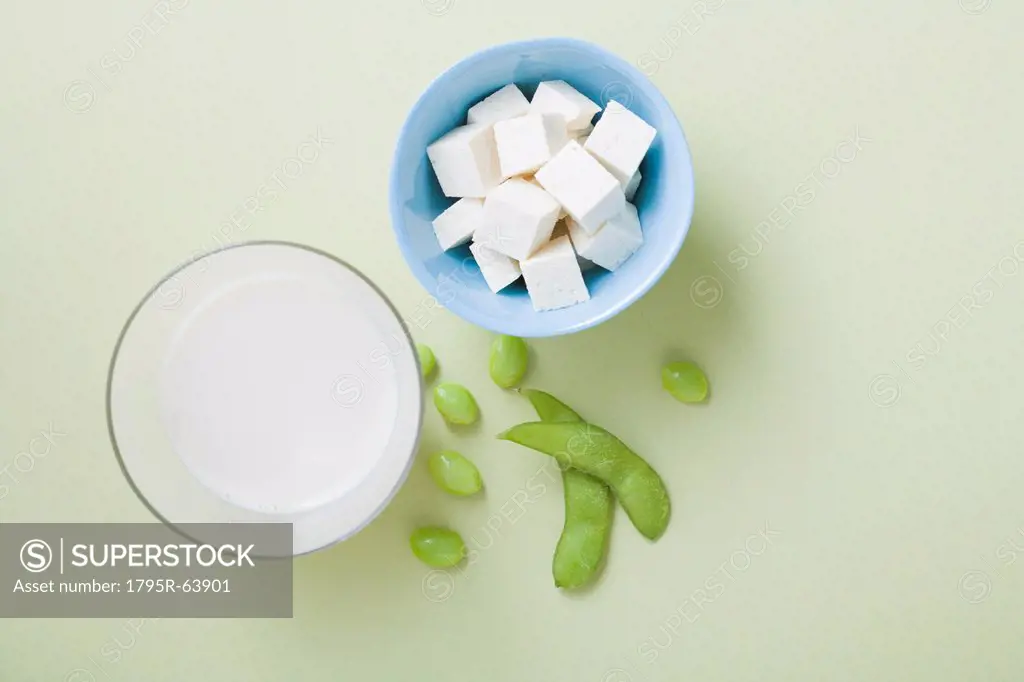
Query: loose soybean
x=509, y=359
x=593, y=450
x=454, y=474
x=437, y=547
x=456, y=404
x=427, y=360
x=685, y=382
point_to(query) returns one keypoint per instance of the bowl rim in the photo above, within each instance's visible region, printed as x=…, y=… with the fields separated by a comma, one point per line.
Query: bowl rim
x=495, y=324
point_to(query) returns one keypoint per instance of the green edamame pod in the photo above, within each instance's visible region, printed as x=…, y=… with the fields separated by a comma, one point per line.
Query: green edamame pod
x=588, y=523
x=509, y=359
x=593, y=450
x=456, y=404
x=549, y=408
x=588, y=508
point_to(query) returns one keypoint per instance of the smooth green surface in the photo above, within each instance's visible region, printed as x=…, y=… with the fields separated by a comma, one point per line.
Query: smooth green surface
x=510, y=357
x=549, y=408
x=437, y=547
x=588, y=508
x=428, y=362
x=593, y=450
x=584, y=539
x=454, y=473
x=685, y=382
x=866, y=362
x=456, y=404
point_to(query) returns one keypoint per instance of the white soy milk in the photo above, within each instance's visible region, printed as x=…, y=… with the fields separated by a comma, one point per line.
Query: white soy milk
x=276, y=392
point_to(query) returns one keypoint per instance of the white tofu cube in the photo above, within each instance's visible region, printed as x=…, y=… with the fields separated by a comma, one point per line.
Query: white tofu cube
x=533, y=181
x=528, y=142
x=459, y=221
x=508, y=102
x=630, y=189
x=498, y=269
x=562, y=230
x=620, y=140
x=589, y=193
x=553, y=277
x=558, y=97
x=518, y=218
x=609, y=247
x=465, y=161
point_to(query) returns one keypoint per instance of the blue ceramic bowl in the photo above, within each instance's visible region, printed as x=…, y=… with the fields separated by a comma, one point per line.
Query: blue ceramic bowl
x=664, y=200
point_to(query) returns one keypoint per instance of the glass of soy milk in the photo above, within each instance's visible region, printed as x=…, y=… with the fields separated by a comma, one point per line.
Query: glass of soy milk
x=266, y=382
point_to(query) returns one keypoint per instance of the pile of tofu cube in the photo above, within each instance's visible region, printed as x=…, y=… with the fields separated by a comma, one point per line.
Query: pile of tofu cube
x=542, y=193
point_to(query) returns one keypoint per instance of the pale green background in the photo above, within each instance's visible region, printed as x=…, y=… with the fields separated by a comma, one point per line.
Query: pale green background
x=894, y=483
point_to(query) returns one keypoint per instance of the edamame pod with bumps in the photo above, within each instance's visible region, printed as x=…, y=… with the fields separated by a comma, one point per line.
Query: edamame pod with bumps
x=591, y=449
x=588, y=508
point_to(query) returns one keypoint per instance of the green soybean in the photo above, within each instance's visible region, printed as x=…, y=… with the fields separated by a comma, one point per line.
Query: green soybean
x=593, y=450
x=454, y=474
x=685, y=381
x=588, y=508
x=437, y=547
x=427, y=360
x=509, y=359
x=456, y=404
